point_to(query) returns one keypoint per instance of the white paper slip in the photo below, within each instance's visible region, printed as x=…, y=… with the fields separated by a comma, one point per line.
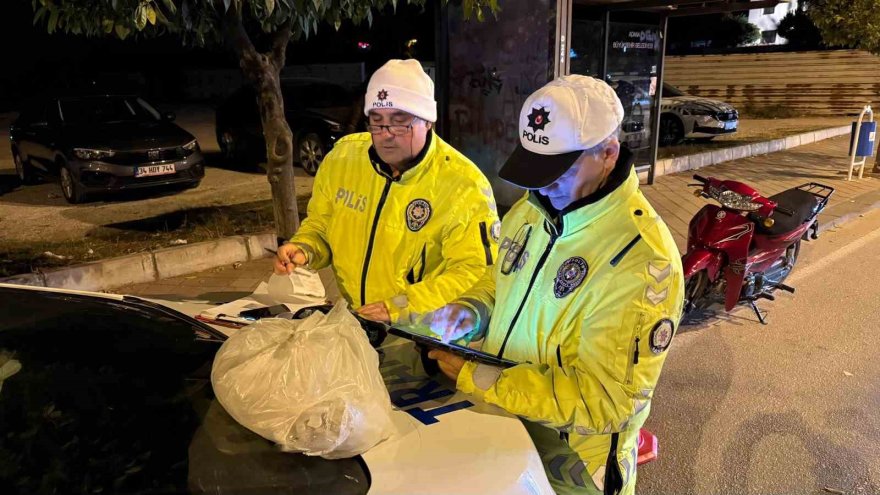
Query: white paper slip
x=298, y=287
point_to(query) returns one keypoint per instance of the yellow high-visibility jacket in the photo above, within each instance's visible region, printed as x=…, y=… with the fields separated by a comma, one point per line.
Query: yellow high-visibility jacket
x=588, y=304
x=415, y=242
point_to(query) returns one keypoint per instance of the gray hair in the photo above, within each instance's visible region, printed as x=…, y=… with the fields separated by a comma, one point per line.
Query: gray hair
x=596, y=150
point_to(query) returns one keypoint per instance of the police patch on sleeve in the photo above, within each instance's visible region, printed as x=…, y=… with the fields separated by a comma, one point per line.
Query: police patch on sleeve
x=418, y=212
x=495, y=231
x=570, y=275
x=661, y=335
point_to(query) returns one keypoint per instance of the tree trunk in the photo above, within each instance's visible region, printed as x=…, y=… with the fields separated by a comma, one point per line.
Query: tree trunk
x=263, y=70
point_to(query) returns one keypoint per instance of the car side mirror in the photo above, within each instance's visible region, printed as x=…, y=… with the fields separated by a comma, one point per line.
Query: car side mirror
x=169, y=116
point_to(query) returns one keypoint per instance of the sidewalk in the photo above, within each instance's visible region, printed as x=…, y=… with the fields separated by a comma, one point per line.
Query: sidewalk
x=825, y=162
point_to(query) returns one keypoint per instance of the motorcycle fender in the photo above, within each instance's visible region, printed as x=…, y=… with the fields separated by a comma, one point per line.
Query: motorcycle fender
x=700, y=259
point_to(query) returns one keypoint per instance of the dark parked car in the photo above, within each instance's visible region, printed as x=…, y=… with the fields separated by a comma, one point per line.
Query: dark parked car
x=112, y=394
x=318, y=112
x=103, y=143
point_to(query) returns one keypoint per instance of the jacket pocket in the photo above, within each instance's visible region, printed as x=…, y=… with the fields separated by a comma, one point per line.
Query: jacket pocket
x=417, y=271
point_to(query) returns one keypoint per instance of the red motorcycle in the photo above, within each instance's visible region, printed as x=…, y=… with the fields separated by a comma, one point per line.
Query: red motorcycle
x=744, y=249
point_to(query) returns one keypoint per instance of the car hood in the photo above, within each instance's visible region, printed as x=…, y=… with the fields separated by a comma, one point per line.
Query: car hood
x=697, y=103
x=126, y=135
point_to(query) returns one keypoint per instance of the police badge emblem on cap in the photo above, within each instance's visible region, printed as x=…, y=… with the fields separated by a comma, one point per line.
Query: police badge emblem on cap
x=417, y=214
x=661, y=335
x=570, y=275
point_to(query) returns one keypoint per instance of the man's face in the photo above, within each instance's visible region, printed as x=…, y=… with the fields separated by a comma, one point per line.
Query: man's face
x=398, y=150
x=583, y=178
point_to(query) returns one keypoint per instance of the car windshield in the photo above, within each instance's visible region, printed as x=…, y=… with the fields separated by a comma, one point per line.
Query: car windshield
x=670, y=90
x=115, y=396
x=106, y=109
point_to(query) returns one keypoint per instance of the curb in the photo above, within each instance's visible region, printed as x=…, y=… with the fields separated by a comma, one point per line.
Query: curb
x=151, y=266
x=668, y=166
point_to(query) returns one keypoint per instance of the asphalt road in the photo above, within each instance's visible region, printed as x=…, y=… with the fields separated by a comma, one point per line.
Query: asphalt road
x=792, y=407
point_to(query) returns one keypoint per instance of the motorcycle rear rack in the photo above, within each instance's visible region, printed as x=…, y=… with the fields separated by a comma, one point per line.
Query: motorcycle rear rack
x=821, y=191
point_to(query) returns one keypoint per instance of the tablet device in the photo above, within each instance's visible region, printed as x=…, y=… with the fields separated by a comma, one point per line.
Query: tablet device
x=468, y=354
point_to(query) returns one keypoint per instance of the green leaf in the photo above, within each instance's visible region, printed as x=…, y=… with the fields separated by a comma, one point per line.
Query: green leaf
x=53, y=21
x=270, y=6
x=337, y=24
x=169, y=4
x=140, y=17
x=122, y=31
x=151, y=14
x=107, y=24
x=226, y=4
x=39, y=15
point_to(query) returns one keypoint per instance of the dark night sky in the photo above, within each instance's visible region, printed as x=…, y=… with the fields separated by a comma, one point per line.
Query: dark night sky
x=37, y=61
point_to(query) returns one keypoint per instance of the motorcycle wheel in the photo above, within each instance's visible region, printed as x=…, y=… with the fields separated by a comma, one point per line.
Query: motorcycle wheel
x=694, y=290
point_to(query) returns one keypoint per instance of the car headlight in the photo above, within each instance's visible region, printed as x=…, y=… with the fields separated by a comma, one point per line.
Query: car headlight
x=706, y=120
x=698, y=111
x=90, y=154
x=191, y=146
x=736, y=201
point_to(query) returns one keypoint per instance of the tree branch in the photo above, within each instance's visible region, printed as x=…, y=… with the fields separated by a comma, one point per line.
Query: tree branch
x=235, y=32
x=280, y=39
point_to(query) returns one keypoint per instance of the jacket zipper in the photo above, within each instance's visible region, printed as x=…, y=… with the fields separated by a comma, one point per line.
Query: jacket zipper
x=372, y=239
x=528, y=291
x=634, y=351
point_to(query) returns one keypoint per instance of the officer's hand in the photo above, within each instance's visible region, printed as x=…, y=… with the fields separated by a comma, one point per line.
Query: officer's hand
x=449, y=363
x=289, y=256
x=453, y=321
x=376, y=311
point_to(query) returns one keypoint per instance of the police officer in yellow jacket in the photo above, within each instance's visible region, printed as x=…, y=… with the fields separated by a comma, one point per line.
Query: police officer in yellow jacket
x=406, y=221
x=587, y=294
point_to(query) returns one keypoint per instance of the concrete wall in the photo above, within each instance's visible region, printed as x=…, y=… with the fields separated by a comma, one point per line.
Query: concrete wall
x=494, y=66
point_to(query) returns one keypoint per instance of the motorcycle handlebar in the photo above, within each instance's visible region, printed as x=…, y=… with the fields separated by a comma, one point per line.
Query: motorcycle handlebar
x=701, y=178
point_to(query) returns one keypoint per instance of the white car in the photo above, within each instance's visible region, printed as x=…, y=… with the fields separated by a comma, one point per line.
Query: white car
x=693, y=117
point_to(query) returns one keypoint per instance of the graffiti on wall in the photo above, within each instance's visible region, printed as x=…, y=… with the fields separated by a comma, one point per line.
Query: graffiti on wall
x=494, y=66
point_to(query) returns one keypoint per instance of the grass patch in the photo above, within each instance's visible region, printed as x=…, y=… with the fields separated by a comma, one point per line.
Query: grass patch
x=769, y=112
x=149, y=234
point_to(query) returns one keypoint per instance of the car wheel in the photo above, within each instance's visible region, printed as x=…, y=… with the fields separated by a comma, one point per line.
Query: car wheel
x=671, y=131
x=23, y=169
x=72, y=191
x=310, y=152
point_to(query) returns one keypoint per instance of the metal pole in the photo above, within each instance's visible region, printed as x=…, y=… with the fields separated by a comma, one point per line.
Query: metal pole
x=441, y=57
x=658, y=93
x=855, y=143
x=865, y=159
x=604, y=66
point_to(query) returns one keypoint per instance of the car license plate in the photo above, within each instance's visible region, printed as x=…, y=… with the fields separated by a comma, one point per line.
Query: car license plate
x=729, y=125
x=154, y=170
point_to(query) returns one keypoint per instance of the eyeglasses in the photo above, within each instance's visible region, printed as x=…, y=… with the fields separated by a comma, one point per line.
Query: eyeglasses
x=393, y=129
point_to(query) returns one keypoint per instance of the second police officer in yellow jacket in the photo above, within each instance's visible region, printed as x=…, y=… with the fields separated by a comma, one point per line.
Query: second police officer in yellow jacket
x=587, y=294
x=406, y=222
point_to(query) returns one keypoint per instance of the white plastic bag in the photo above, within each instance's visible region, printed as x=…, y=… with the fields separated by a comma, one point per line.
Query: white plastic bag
x=312, y=385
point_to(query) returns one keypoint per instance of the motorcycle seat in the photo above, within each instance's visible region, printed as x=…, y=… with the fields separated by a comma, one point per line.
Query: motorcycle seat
x=802, y=203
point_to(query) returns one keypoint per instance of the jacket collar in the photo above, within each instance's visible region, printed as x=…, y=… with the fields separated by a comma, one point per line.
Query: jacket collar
x=622, y=183
x=414, y=169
